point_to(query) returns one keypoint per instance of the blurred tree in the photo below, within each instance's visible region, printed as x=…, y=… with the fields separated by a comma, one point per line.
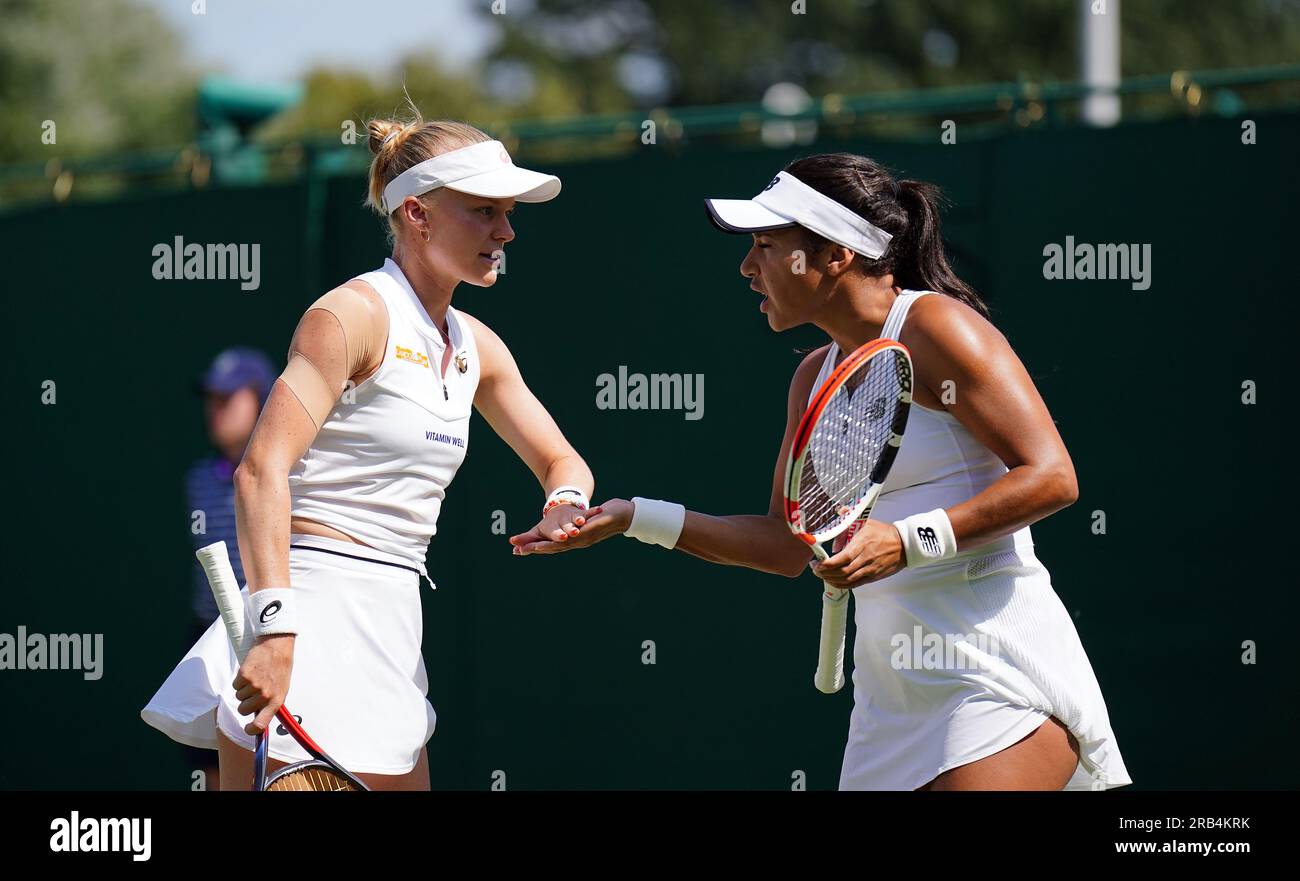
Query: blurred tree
x=109, y=73
x=602, y=55
x=333, y=96
x=112, y=75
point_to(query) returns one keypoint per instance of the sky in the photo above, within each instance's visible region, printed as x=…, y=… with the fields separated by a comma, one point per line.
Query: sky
x=276, y=41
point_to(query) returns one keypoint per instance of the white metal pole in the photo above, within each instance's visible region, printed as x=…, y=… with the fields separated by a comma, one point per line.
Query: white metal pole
x=1099, y=59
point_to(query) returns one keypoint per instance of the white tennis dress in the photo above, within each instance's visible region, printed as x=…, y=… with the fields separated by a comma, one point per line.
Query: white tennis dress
x=959, y=660
x=377, y=470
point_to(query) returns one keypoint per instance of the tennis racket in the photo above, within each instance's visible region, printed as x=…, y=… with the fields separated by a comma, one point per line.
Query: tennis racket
x=320, y=773
x=842, y=452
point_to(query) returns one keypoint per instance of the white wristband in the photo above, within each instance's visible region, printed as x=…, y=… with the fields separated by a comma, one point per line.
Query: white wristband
x=272, y=611
x=927, y=538
x=567, y=495
x=656, y=522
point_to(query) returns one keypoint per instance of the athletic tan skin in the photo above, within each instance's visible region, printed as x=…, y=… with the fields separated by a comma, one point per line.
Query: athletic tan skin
x=995, y=399
x=343, y=336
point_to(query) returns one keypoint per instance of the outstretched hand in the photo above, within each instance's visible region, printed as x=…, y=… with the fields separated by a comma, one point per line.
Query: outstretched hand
x=557, y=525
x=599, y=523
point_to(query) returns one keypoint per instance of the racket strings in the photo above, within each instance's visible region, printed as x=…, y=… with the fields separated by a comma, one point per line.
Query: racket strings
x=850, y=439
x=316, y=778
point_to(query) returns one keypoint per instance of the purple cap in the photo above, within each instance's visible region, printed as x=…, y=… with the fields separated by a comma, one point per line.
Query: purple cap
x=236, y=368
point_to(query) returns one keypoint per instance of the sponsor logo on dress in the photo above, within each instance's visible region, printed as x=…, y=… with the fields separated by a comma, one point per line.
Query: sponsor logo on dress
x=405, y=354
x=284, y=732
x=445, y=438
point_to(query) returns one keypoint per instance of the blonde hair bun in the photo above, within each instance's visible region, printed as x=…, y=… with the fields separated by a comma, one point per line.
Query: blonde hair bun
x=397, y=145
x=382, y=131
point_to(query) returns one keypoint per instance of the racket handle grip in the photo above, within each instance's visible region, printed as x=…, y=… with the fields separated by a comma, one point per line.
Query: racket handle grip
x=225, y=590
x=830, y=658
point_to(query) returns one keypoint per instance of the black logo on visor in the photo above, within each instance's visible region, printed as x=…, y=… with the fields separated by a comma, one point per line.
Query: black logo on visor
x=775, y=181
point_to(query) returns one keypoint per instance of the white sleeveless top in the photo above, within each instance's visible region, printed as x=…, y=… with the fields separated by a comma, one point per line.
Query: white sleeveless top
x=1011, y=656
x=940, y=463
x=380, y=465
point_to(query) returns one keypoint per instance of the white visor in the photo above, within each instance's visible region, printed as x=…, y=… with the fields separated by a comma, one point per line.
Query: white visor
x=483, y=169
x=788, y=201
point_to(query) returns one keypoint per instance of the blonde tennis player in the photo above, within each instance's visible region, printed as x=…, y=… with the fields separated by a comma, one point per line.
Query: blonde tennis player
x=338, y=494
x=947, y=557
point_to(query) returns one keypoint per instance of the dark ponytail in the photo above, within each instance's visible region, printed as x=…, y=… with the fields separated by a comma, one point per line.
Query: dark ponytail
x=922, y=264
x=908, y=210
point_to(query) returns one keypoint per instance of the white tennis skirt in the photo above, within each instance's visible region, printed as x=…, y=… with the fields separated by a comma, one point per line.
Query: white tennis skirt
x=358, y=683
x=960, y=660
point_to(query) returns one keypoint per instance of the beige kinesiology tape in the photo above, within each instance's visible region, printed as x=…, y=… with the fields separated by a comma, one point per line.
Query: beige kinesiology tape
x=363, y=344
x=310, y=388
x=360, y=335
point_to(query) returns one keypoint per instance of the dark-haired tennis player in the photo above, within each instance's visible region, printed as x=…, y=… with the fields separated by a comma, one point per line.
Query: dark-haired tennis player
x=339, y=492
x=969, y=673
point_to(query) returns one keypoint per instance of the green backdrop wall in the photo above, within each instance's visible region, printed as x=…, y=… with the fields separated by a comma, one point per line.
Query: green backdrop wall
x=535, y=664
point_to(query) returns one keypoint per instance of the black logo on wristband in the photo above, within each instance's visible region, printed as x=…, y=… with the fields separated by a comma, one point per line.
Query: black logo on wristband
x=272, y=609
x=929, y=541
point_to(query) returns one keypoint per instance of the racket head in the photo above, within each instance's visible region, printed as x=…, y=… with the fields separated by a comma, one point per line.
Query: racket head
x=312, y=776
x=847, y=441
x=318, y=765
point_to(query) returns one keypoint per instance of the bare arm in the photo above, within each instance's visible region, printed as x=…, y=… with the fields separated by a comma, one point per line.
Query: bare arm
x=330, y=346
x=997, y=402
x=519, y=419
x=283, y=434
x=757, y=541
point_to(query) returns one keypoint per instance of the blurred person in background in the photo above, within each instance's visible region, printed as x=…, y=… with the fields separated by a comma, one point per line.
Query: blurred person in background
x=233, y=388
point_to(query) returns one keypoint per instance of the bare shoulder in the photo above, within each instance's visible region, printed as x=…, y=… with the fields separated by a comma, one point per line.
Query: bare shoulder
x=941, y=326
x=478, y=327
x=493, y=354
x=806, y=374
x=355, y=304
x=363, y=289
x=353, y=292
x=484, y=336
x=811, y=364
